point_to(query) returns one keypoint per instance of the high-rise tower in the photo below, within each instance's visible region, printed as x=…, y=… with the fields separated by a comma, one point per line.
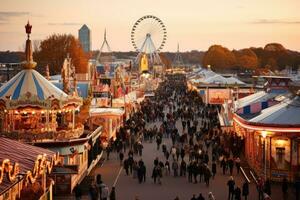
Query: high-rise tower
x=84, y=35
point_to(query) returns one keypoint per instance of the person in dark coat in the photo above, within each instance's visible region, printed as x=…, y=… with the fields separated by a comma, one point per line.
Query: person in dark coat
x=190, y=172
x=121, y=157
x=93, y=192
x=200, y=197
x=207, y=175
x=214, y=169
x=237, y=193
x=223, y=165
x=230, y=185
x=112, y=195
x=230, y=165
x=284, y=188
x=126, y=166
x=267, y=187
x=245, y=191
x=183, y=168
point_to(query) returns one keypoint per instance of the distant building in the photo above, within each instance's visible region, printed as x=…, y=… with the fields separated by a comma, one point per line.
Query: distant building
x=84, y=35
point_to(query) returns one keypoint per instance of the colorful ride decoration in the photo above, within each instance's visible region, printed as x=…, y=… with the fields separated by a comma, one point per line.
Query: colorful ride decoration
x=29, y=102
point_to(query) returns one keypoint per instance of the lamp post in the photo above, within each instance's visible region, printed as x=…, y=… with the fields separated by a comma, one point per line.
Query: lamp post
x=264, y=135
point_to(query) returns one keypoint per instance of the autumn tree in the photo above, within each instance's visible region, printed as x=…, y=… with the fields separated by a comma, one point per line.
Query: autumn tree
x=246, y=58
x=54, y=50
x=219, y=58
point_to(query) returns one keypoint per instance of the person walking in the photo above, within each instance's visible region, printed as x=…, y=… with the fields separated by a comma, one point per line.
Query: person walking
x=93, y=192
x=175, y=168
x=112, y=195
x=183, y=168
x=284, y=188
x=231, y=184
x=126, y=166
x=238, y=164
x=200, y=197
x=224, y=165
x=158, y=141
x=230, y=164
x=214, y=169
x=267, y=187
x=121, y=157
x=237, y=193
x=104, y=192
x=260, y=188
x=207, y=175
x=245, y=190
x=190, y=172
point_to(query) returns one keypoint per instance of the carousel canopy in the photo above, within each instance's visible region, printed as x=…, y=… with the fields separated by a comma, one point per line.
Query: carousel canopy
x=30, y=82
x=286, y=112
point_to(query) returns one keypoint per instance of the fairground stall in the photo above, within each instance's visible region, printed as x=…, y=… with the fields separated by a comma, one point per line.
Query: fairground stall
x=24, y=171
x=272, y=144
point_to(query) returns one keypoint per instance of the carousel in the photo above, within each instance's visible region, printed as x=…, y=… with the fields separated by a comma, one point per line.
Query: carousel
x=31, y=107
x=34, y=111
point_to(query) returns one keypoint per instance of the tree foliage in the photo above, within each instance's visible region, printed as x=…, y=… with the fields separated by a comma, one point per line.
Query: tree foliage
x=246, y=58
x=219, y=57
x=273, y=56
x=55, y=49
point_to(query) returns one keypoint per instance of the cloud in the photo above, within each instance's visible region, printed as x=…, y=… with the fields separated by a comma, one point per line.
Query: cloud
x=65, y=24
x=275, y=21
x=7, y=15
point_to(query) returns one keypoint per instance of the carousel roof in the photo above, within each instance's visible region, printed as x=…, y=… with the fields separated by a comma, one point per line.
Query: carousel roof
x=284, y=113
x=30, y=82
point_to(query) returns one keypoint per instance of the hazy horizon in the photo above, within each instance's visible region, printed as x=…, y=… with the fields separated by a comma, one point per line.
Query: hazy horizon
x=195, y=24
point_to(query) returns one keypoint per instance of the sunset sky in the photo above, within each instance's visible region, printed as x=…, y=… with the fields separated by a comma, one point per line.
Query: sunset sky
x=195, y=24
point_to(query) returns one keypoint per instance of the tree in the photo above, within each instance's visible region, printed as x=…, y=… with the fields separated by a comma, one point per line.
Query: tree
x=54, y=50
x=219, y=58
x=246, y=58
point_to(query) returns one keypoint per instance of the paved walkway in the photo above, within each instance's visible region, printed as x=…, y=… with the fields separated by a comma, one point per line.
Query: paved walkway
x=128, y=188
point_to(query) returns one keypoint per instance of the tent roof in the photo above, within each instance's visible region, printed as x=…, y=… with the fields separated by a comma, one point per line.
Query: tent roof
x=30, y=82
x=286, y=112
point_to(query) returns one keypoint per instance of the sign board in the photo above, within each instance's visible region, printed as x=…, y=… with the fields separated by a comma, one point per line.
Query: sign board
x=218, y=96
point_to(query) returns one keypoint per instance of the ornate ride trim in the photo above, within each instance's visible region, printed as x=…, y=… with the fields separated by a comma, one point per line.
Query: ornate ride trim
x=41, y=166
x=9, y=169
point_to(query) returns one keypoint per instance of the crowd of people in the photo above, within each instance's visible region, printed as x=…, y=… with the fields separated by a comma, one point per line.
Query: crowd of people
x=188, y=135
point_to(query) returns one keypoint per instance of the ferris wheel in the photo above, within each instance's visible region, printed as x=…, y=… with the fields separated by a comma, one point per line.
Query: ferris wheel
x=148, y=35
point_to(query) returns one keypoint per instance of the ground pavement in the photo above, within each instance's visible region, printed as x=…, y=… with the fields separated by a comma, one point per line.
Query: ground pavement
x=128, y=188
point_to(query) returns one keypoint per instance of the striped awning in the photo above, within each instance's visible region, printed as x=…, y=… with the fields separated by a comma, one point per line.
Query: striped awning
x=29, y=82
